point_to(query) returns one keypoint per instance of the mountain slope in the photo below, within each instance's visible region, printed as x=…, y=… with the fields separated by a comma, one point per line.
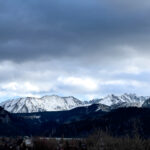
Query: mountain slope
x=46, y=103
x=72, y=115
x=4, y=116
x=146, y=104
x=11, y=125
x=119, y=122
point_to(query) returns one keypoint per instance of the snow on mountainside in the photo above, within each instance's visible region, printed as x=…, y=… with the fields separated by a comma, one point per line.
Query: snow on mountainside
x=46, y=103
x=126, y=99
x=56, y=103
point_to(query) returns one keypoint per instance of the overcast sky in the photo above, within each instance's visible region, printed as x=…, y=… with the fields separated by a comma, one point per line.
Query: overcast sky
x=84, y=48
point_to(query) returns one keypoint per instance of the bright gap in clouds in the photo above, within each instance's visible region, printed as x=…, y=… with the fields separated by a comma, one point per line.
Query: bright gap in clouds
x=21, y=80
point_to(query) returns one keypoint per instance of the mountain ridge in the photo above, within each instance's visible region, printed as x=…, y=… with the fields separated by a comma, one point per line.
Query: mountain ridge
x=57, y=103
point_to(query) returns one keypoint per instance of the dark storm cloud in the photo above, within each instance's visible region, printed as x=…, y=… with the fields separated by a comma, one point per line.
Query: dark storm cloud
x=38, y=29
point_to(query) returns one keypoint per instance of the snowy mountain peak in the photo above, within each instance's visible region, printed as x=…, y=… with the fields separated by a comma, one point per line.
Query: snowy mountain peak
x=45, y=103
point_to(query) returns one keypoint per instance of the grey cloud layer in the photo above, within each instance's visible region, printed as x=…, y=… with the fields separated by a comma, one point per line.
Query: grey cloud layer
x=53, y=29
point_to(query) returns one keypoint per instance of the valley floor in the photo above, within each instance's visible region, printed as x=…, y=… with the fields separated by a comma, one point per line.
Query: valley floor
x=97, y=141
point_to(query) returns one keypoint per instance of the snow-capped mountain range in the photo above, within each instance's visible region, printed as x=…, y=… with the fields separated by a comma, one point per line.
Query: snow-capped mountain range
x=57, y=103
